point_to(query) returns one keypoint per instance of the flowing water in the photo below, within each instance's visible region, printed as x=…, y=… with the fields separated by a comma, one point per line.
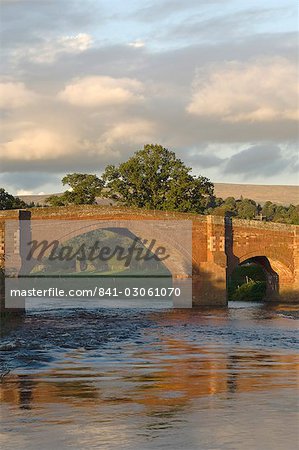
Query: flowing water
x=150, y=378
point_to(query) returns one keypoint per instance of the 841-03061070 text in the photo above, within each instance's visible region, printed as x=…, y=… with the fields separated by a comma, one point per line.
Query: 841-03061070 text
x=98, y=292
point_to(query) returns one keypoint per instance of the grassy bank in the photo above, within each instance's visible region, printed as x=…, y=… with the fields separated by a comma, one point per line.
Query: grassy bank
x=247, y=282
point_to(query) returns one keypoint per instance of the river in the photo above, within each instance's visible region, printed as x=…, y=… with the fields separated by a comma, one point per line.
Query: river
x=150, y=378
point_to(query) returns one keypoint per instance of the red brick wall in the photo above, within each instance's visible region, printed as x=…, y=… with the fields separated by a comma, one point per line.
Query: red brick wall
x=216, y=249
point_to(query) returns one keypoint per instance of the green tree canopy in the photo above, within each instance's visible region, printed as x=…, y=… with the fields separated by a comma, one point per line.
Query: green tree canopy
x=247, y=209
x=227, y=207
x=268, y=210
x=154, y=178
x=84, y=188
x=293, y=214
x=8, y=201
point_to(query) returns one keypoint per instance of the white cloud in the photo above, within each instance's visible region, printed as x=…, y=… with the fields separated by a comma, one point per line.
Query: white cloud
x=260, y=91
x=77, y=43
x=102, y=91
x=134, y=131
x=36, y=145
x=15, y=95
x=56, y=147
x=137, y=44
x=24, y=192
x=117, y=137
x=49, y=50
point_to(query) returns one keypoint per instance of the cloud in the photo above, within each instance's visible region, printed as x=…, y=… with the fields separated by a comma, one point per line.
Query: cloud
x=35, y=182
x=15, y=95
x=100, y=101
x=264, y=160
x=162, y=10
x=229, y=25
x=117, y=139
x=78, y=43
x=137, y=44
x=204, y=161
x=45, y=149
x=24, y=192
x=133, y=131
x=47, y=51
x=264, y=90
x=25, y=22
x=36, y=145
x=94, y=91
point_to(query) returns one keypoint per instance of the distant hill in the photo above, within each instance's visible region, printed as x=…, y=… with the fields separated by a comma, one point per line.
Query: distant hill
x=37, y=199
x=41, y=199
x=283, y=195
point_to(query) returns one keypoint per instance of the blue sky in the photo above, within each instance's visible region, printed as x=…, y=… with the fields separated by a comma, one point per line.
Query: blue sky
x=149, y=22
x=89, y=83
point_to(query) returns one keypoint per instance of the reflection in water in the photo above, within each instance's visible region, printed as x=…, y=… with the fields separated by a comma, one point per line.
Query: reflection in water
x=25, y=388
x=152, y=379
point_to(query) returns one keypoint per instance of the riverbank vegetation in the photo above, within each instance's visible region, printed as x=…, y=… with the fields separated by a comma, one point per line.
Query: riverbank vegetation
x=248, y=282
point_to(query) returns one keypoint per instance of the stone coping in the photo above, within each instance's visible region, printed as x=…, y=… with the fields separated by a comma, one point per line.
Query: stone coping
x=94, y=211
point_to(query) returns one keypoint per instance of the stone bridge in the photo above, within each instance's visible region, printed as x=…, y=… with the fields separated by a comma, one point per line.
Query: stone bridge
x=219, y=245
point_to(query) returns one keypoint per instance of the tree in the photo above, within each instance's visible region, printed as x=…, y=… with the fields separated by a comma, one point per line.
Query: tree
x=231, y=202
x=8, y=201
x=268, y=210
x=293, y=214
x=280, y=213
x=227, y=207
x=56, y=200
x=84, y=188
x=154, y=178
x=247, y=209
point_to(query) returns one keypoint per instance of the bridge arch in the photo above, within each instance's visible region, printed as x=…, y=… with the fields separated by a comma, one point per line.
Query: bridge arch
x=179, y=264
x=278, y=274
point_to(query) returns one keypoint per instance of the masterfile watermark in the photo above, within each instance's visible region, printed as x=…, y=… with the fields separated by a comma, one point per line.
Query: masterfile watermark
x=137, y=250
x=142, y=259
x=98, y=292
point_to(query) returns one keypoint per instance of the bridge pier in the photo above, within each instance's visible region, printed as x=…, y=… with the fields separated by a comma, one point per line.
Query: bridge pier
x=209, y=288
x=20, y=235
x=289, y=279
x=209, y=276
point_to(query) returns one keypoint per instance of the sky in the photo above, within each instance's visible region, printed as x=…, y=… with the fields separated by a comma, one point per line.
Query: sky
x=86, y=83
